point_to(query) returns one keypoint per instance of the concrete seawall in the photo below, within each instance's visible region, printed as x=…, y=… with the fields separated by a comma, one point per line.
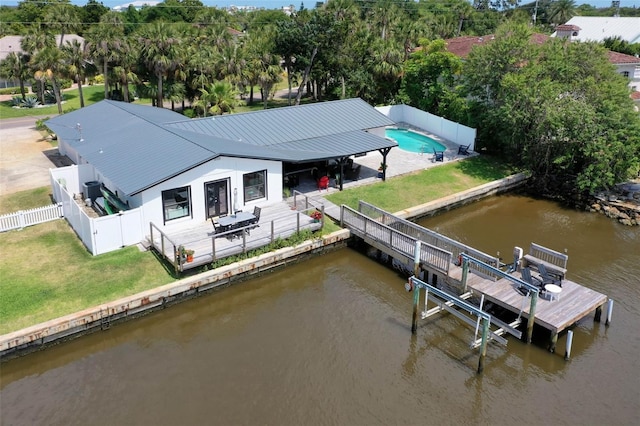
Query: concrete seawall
x=102, y=316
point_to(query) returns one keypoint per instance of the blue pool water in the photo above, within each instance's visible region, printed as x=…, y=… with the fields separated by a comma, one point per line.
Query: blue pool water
x=414, y=142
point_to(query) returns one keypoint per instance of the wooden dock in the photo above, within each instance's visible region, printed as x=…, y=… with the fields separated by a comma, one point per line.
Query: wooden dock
x=277, y=221
x=396, y=236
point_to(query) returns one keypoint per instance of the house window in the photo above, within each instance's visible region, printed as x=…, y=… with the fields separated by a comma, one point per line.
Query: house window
x=625, y=74
x=176, y=203
x=254, y=185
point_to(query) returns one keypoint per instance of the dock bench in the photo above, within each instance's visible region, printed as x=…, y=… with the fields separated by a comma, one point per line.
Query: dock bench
x=555, y=262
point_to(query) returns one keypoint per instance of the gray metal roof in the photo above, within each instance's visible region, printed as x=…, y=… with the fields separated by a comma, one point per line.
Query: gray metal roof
x=278, y=125
x=137, y=147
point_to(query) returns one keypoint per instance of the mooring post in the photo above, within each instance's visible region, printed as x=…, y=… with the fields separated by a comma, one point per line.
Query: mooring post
x=465, y=271
x=567, y=352
x=609, y=311
x=416, y=301
x=416, y=259
x=483, y=345
x=598, y=315
x=532, y=312
x=553, y=341
x=416, y=289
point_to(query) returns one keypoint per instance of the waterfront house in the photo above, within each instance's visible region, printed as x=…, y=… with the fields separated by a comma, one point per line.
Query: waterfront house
x=173, y=171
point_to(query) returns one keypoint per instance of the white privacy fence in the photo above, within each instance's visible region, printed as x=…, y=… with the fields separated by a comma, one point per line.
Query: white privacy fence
x=100, y=234
x=462, y=135
x=24, y=218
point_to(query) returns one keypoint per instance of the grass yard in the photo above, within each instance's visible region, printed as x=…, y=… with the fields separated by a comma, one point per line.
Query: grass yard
x=411, y=190
x=92, y=94
x=47, y=273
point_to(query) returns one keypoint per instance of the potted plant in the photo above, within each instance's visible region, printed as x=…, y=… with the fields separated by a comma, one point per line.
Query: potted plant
x=181, y=254
x=381, y=169
x=189, y=255
x=316, y=216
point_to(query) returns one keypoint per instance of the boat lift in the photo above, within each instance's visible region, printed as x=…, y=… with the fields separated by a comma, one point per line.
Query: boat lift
x=457, y=305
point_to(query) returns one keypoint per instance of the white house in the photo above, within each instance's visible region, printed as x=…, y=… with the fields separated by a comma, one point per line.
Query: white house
x=174, y=171
x=598, y=28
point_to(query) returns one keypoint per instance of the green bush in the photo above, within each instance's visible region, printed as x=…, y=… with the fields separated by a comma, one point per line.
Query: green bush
x=189, y=112
x=10, y=91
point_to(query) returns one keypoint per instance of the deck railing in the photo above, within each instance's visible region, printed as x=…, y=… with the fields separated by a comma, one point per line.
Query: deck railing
x=366, y=227
x=428, y=236
x=24, y=218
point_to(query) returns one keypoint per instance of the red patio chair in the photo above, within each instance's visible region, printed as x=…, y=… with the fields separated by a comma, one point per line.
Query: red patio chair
x=323, y=183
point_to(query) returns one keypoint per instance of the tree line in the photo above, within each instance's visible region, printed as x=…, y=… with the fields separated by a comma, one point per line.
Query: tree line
x=558, y=109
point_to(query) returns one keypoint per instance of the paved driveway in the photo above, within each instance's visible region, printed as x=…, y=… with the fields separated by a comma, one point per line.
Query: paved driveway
x=25, y=157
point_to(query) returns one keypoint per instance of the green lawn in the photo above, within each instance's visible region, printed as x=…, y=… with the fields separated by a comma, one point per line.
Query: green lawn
x=92, y=94
x=406, y=191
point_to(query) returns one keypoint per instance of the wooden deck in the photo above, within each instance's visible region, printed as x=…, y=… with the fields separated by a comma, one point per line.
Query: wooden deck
x=575, y=301
x=276, y=221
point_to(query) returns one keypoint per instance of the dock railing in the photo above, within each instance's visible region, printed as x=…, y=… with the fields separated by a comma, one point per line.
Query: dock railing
x=431, y=237
x=384, y=235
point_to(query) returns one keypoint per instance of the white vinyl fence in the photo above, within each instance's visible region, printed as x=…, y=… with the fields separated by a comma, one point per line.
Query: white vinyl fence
x=24, y=218
x=102, y=234
x=450, y=130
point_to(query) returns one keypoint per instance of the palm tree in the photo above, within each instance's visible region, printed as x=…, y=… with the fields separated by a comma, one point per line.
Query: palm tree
x=104, y=42
x=562, y=11
x=75, y=55
x=220, y=95
x=127, y=58
x=33, y=42
x=159, y=52
x=50, y=64
x=15, y=67
x=63, y=19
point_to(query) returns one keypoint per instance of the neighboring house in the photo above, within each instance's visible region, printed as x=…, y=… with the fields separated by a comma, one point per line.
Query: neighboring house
x=9, y=44
x=627, y=65
x=598, y=28
x=179, y=171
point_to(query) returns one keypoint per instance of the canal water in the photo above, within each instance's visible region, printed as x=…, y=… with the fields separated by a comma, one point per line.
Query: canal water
x=328, y=341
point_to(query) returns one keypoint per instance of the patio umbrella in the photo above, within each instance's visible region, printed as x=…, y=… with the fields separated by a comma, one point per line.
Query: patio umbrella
x=235, y=200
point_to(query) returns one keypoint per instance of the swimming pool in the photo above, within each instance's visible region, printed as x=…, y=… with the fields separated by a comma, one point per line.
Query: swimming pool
x=414, y=142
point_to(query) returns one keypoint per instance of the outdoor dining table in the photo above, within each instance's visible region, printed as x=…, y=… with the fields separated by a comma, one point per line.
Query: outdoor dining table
x=237, y=220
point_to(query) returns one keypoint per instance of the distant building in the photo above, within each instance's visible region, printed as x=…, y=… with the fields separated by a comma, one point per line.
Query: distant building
x=598, y=28
x=11, y=44
x=136, y=4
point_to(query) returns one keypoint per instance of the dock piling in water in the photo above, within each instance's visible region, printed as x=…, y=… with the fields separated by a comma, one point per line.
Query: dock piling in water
x=567, y=352
x=609, y=311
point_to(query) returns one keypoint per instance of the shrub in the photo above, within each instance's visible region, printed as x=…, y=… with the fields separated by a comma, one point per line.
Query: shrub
x=189, y=112
x=10, y=91
x=40, y=126
x=30, y=102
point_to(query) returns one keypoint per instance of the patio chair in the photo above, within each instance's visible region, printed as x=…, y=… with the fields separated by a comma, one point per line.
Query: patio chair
x=530, y=279
x=256, y=212
x=323, y=183
x=548, y=278
x=438, y=155
x=352, y=173
x=463, y=150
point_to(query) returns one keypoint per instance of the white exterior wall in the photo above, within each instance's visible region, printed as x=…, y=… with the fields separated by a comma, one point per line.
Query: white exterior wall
x=219, y=169
x=634, y=74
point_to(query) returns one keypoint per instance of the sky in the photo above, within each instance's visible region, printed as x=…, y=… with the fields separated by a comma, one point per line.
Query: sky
x=276, y=4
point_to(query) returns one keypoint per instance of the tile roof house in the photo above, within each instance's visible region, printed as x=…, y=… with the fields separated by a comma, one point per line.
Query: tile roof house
x=177, y=170
x=626, y=65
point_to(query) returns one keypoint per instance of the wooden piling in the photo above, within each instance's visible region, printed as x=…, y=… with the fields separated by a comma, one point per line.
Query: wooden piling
x=598, y=314
x=414, y=318
x=483, y=344
x=532, y=314
x=553, y=341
